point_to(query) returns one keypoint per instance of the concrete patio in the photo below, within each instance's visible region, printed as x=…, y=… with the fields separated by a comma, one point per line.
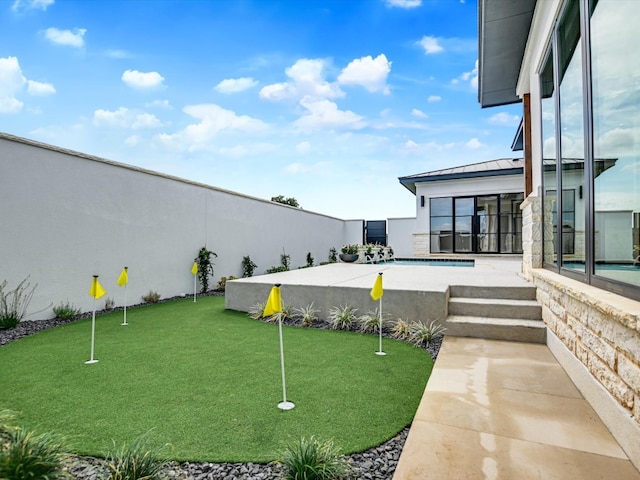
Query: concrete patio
x=506, y=410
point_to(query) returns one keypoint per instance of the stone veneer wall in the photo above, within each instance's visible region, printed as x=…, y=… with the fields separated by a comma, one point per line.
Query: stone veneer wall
x=599, y=328
x=420, y=244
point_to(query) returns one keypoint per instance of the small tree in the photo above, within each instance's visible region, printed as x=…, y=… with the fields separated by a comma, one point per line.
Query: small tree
x=286, y=201
x=205, y=267
x=248, y=266
x=309, y=260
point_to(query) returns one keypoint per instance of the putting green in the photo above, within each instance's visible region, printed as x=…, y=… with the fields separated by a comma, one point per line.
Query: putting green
x=207, y=381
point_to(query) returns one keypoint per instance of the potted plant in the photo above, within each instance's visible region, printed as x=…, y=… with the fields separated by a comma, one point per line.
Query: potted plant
x=349, y=253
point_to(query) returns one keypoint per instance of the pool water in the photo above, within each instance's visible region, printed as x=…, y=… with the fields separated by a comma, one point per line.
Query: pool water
x=433, y=262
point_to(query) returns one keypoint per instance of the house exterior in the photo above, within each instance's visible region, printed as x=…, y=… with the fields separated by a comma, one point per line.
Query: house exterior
x=573, y=66
x=470, y=209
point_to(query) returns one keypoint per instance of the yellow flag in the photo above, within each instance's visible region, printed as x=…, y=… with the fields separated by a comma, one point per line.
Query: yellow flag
x=376, y=291
x=194, y=269
x=96, y=289
x=274, y=302
x=123, y=279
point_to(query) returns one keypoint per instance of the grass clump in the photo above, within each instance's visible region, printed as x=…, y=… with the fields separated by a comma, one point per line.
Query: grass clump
x=25, y=455
x=66, y=310
x=151, y=297
x=370, y=322
x=313, y=459
x=136, y=461
x=307, y=314
x=401, y=330
x=423, y=334
x=342, y=317
x=14, y=303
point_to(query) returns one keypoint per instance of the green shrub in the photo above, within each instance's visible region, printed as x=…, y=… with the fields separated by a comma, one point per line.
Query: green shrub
x=137, y=461
x=342, y=317
x=205, y=267
x=222, y=283
x=248, y=267
x=333, y=255
x=285, y=260
x=308, y=315
x=423, y=334
x=279, y=268
x=151, y=297
x=65, y=311
x=312, y=459
x=309, y=260
x=27, y=456
x=14, y=303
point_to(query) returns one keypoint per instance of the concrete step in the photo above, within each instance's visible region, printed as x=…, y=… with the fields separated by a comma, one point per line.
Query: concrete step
x=473, y=291
x=495, y=307
x=511, y=329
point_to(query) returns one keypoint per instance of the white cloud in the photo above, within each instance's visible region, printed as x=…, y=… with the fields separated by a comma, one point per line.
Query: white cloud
x=11, y=84
x=66, y=37
x=118, y=54
x=474, y=144
x=418, y=113
x=159, y=104
x=367, y=72
x=303, y=147
x=40, y=88
x=324, y=114
x=470, y=77
x=142, y=80
x=434, y=98
x=108, y=118
x=145, y=120
x=403, y=3
x=306, y=80
x=125, y=118
x=213, y=120
x=431, y=45
x=506, y=119
x=234, y=85
x=31, y=4
x=132, y=141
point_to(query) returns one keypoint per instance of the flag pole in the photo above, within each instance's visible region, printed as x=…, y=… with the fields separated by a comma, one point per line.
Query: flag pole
x=93, y=325
x=124, y=322
x=194, y=288
x=284, y=405
x=380, y=352
x=125, y=305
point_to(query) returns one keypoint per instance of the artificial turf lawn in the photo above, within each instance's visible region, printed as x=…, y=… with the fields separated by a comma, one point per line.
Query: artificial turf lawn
x=207, y=381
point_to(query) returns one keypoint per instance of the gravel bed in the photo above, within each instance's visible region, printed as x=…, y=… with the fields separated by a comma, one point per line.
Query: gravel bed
x=378, y=463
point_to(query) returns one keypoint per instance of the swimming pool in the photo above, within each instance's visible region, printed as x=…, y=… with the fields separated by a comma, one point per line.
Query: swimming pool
x=433, y=262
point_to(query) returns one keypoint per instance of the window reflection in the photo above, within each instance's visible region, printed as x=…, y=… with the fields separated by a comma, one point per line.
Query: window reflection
x=616, y=139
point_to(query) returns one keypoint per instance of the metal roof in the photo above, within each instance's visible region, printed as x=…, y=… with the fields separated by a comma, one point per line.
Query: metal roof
x=503, y=29
x=492, y=168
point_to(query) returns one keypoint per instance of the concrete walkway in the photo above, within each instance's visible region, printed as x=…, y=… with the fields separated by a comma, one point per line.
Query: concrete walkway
x=505, y=410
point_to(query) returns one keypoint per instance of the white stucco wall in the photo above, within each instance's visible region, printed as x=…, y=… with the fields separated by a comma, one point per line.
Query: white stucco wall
x=400, y=236
x=66, y=216
x=461, y=188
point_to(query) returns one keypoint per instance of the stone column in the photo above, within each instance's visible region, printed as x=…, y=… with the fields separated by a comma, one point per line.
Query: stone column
x=420, y=244
x=532, y=244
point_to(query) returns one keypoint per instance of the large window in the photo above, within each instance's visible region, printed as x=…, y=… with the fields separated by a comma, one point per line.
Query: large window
x=590, y=107
x=479, y=224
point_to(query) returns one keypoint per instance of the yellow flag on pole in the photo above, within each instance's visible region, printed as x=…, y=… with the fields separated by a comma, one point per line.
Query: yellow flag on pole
x=376, y=291
x=123, y=279
x=96, y=290
x=194, y=269
x=274, y=302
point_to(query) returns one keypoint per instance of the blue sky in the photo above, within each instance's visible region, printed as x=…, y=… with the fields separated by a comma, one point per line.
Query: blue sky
x=327, y=101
